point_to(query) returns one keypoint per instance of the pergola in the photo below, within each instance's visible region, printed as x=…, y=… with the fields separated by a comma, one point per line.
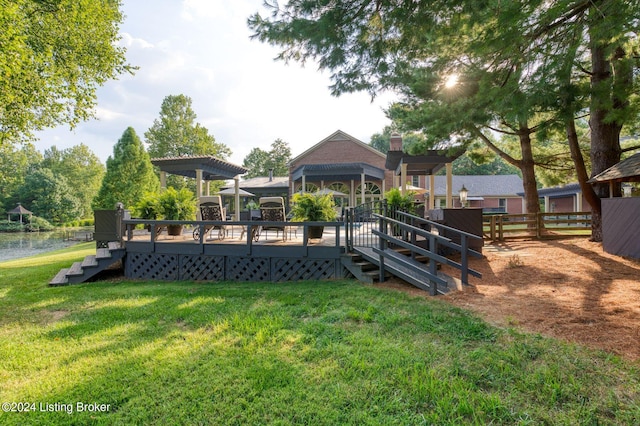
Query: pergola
x=348, y=172
x=428, y=164
x=203, y=168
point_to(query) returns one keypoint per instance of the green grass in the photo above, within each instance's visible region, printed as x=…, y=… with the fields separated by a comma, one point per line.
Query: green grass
x=330, y=353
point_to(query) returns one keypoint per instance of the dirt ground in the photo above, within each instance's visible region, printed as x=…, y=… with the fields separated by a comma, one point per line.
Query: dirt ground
x=569, y=289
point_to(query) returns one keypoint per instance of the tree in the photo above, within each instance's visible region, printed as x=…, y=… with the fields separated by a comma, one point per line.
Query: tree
x=55, y=53
x=14, y=167
x=511, y=58
x=259, y=162
x=81, y=168
x=50, y=196
x=129, y=174
x=175, y=133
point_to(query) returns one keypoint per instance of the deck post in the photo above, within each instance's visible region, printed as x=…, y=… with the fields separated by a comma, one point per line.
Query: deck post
x=382, y=241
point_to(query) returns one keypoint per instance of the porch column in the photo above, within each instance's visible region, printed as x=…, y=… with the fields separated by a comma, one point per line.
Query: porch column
x=579, y=201
x=546, y=204
x=208, y=187
x=403, y=178
x=236, y=185
x=384, y=189
x=163, y=179
x=449, y=167
x=352, y=194
x=198, y=184
x=432, y=192
x=304, y=184
x=363, y=184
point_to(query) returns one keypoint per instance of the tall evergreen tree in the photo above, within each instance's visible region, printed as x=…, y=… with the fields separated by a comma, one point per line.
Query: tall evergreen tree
x=129, y=174
x=512, y=59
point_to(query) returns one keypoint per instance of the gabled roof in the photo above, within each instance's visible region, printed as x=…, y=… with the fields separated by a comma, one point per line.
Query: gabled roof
x=482, y=185
x=338, y=135
x=625, y=171
x=559, y=191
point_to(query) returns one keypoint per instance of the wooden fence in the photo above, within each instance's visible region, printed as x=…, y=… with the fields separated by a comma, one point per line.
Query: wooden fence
x=538, y=225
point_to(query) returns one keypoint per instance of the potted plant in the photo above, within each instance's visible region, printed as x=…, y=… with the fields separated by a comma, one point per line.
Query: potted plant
x=313, y=208
x=148, y=207
x=177, y=205
x=398, y=202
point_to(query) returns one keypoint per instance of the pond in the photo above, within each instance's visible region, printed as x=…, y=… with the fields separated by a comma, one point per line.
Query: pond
x=14, y=245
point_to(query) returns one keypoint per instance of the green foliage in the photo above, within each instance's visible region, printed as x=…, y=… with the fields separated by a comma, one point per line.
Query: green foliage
x=177, y=204
x=77, y=164
x=259, y=162
x=148, y=207
x=175, y=133
x=309, y=207
x=398, y=202
x=54, y=56
x=11, y=226
x=15, y=164
x=40, y=224
x=129, y=174
x=50, y=196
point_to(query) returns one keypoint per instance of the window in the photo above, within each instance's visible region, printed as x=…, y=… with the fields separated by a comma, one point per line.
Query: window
x=415, y=180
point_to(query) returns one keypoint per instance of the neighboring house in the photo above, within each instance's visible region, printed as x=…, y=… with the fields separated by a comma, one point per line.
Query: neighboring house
x=568, y=198
x=492, y=193
x=343, y=164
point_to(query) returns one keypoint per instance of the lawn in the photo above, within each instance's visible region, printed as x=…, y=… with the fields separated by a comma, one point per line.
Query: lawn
x=337, y=352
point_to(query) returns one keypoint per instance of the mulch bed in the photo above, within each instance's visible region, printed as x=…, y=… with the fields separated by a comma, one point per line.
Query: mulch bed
x=569, y=289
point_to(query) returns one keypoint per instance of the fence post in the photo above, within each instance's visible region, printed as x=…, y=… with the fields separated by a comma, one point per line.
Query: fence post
x=539, y=224
x=492, y=228
x=500, y=232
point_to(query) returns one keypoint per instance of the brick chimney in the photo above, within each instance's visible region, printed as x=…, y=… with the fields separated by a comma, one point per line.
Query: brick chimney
x=395, y=143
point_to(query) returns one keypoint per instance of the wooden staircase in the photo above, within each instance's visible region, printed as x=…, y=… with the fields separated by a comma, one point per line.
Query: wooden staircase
x=361, y=268
x=364, y=265
x=80, y=272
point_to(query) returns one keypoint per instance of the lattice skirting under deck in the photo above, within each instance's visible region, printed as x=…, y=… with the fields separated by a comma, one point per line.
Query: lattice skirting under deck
x=174, y=267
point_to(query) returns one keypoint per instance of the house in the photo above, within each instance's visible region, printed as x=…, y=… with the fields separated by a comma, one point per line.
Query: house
x=567, y=198
x=492, y=193
x=343, y=164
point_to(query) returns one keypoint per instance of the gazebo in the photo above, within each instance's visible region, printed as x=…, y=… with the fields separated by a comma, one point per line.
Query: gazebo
x=202, y=168
x=19, y=210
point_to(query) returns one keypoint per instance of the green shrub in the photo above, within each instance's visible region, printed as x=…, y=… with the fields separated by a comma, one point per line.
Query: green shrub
x=9, y=226
x=39, y=224
x=399, y=202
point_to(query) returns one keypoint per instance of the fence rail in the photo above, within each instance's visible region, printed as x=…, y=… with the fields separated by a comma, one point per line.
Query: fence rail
x=539, y=225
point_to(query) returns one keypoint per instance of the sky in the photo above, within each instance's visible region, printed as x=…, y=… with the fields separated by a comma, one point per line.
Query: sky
x=246, y=99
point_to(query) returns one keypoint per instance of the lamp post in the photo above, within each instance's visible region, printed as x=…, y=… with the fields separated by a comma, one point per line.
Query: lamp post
x=464, y=192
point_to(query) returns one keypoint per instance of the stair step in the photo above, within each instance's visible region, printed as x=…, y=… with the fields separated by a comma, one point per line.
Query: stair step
x=114, y=245
x=102, y=253
x=60, y=278
x=76, y=269
x=90, y=262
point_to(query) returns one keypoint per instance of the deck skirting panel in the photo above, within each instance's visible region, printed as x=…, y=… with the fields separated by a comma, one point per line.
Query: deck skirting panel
x=275, y=264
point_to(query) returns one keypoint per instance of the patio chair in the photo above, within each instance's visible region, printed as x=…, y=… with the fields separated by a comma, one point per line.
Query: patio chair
x=272, y=210
x=211, y=210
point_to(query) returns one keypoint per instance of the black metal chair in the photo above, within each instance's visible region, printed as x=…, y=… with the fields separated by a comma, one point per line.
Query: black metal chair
x=272, y=210
x=211, y=211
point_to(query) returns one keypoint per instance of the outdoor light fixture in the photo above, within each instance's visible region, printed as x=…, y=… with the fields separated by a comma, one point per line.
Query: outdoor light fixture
x=463, y=196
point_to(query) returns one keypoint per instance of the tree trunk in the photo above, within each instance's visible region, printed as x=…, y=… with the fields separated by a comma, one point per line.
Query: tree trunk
x=532, y=200
x=587, y=189
x=605, y=134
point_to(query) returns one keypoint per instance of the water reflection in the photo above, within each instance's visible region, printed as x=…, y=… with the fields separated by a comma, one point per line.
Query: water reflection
x=23, y=244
